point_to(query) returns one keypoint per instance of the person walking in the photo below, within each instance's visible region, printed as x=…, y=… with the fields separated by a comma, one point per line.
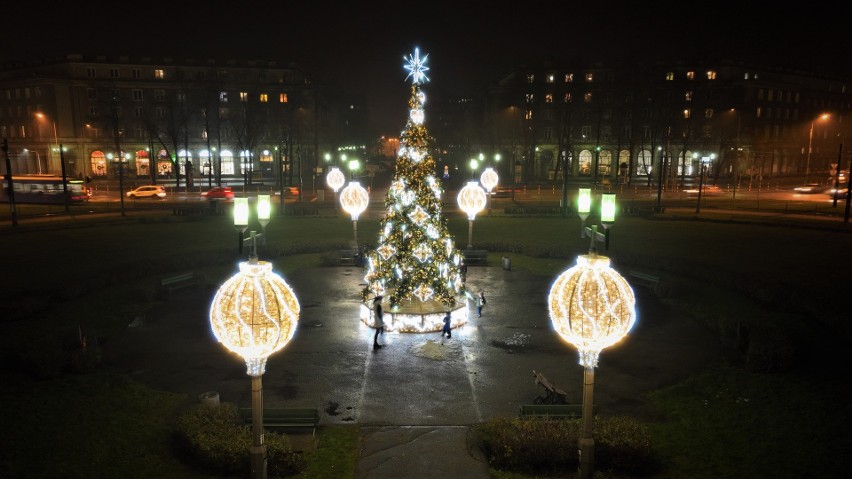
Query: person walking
x=380, y=322
x=447, y=329
x=480, y=302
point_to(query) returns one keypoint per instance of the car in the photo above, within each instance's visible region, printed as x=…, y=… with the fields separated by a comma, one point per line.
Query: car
x=289, y=191
x=809, y=188
x=147, y=191
x=705, y=190
x=504, y=192
x=219, y=193
x=838, y=193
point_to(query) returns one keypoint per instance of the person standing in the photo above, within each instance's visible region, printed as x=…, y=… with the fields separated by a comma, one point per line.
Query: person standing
x=447, y=329
x=380, y=322
x=463, y=271
x=480, y=302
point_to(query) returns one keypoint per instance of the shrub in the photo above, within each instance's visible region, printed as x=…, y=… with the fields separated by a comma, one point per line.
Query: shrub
x=550, y=446
x=216, y=441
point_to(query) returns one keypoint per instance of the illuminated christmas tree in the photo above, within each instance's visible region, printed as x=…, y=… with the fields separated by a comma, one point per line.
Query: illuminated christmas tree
x=416, y=257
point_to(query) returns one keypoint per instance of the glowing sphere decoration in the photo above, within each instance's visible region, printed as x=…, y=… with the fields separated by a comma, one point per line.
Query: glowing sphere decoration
x=335, y=179
x=489, y=179
x=254, y=314
x=591, y=307
x=472, y=199
x=354, y=199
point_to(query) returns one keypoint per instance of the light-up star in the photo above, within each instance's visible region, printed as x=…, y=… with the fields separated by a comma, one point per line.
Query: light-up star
x=416, y=67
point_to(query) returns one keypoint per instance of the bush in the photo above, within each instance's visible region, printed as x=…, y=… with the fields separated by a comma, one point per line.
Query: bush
x=550, y=446
x=216, y=441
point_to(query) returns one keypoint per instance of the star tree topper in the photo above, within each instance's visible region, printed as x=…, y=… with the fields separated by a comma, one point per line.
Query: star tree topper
x=416, y=67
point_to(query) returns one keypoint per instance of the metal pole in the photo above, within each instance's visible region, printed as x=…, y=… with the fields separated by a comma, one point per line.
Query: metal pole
x=121, y=182
x=258, y=448
x=470, y=234
x=808, y=162
x=13, y=208
x=837, y=176
x=355, y=229
x=660, y=180
x=848, y=188
x=64, y=178
x=700, y=187
x=587, y=443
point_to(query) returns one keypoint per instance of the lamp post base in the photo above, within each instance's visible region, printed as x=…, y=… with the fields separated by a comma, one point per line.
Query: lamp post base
x=257, y=456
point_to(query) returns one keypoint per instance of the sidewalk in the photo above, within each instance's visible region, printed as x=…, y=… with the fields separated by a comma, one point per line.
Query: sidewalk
x=415, y=399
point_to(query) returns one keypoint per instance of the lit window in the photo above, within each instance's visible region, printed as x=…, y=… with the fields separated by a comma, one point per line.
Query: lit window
x=530, y=78
x=159, y=74
x=686, y=113
x=708, y=113
x=688, y=95
x=567, y=98
x=528, y=115
x=569, y=78
x=243, y=96
x=587, y=97
x=223, y=97
x=548, y=98
x=690, y=75
x=590, y=77
x=550, y=78
x=530, y=97
x=670, y=76
x=264, y=98
x=711, y=75
x=282, y=98
x=758, y=113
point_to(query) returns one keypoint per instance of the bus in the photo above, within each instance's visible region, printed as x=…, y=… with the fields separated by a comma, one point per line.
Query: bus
x=44, y=189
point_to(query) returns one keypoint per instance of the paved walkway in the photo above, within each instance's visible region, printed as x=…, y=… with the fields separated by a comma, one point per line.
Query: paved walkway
x=416, y=398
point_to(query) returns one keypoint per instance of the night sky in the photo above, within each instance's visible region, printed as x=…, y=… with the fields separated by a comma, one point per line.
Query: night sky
x=470, y=44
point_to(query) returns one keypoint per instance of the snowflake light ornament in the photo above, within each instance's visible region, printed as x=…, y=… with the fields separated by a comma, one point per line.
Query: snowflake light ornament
x=416, y=67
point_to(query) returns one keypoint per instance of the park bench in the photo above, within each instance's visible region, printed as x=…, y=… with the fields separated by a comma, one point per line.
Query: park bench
x=644, y=279
x=349, y=257
x=555, y=411
x=179, y=281
x=286, y=417
x=553, y=395
x=474, y=257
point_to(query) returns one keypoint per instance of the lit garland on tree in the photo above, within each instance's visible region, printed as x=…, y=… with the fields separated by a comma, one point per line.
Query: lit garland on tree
x=416, y=257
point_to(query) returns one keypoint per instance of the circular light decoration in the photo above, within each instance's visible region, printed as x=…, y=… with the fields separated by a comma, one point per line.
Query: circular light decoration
x=591, y=307
x=417, y=116
x=472, y=199
x=354, y=199
x=254, y=314
x=489, y=179
x=335, y=179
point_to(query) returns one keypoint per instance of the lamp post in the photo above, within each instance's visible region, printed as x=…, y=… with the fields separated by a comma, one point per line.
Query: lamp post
x=702, y=171
x=824, y=116
x=335, y=179
x=474, y=164
x=13, y=208
x=38, y=160
x=42, y=116
x=659, y=206
x=120, y=161
x=591, y=307
x=354, y=200
x=241, y=217
x=489, y=180
x=354, y=165
x=471, y=200
x=584, y=206
x=254, y=314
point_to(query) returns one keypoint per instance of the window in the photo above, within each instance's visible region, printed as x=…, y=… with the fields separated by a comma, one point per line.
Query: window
x=159, y=95
x=223, y=97
x=746, y=75
x=264, y=98
x=181, y=96
x=625, y=132
x=529, y=97
x=690, y=75
x=548, y=114
x=93, y=110
x=548, y=133
x=586, y=131
x=708, y=113
x=548, y=98
x=137, y=95
x=159, y=112
x=567, y=98
x=139, y=132
x=115, y=94
x=113, y=72
x=528, y=115
x=669, y=76
x=687, y=113
x=136, y=73
x=91, y=72
x=758, y=113
x=530, y=78
x=646, y=132
x=138, y=112
x=179, y=74
x=223, y=114
x=550, y=78
x=769, y=95
x=91, y=94
x=282, y=98
x=243, y=96
x=587, y=97
x=711, y=75
x=159, y=74
x=569, y=78
x=589, y=77
x=707, y=131
x=222, y=74
x=688, y=95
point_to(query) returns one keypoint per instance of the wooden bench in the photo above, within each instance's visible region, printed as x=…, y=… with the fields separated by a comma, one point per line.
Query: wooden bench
x=553, y=395
x=474, y=257
x=286, y=417
x=644, y=279
x=349, y=257
x=555, y=411
x=184, y=280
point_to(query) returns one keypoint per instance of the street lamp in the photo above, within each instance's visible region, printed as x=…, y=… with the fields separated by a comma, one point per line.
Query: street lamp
x=474, y=164
x=584, y=207
x=335, y=179
x=241, y=217
x=254, y=314
x=10, y=184
x=471, y=200
x=824, y=116
x=489, y=180
x=354, y=199
x=38, y=159
x=42, y=116
x=120, y=161
x=354, y=165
